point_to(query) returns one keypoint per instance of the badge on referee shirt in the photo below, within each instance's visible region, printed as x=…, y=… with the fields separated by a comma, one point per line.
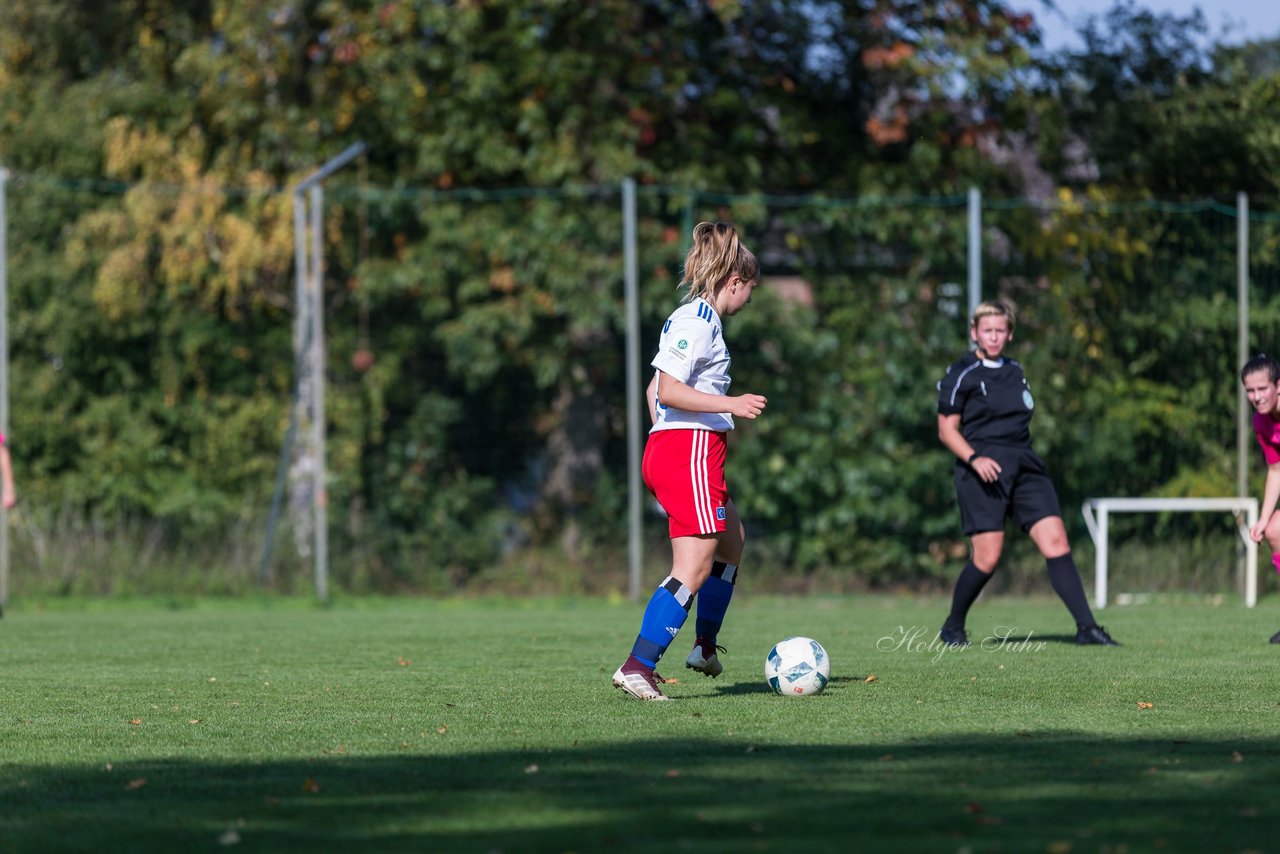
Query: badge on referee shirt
x=1027, y=399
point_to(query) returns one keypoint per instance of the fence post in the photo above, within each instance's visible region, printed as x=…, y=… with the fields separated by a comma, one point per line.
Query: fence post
x=631, y=278
x=1242, y=342
x=4, y=375
x=975, y=251
x=1242, y=355
x=320, y=492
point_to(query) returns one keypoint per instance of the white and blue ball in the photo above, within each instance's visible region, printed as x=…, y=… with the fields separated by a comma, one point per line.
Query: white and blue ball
x=797, y=667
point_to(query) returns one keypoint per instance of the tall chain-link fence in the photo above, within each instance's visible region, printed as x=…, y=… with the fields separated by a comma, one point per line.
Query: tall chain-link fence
x=477, y=406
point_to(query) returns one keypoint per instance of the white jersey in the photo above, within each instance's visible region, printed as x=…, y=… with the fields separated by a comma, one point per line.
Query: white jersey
x=692, y=350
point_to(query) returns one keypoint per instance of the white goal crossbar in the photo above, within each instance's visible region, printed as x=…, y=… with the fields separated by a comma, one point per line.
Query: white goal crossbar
x=1106, y=506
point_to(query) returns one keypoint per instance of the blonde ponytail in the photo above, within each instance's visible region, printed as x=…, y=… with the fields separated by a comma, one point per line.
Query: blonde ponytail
x=716, y=254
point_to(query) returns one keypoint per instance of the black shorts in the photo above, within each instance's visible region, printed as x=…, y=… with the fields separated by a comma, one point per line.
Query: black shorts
x=1024, y=491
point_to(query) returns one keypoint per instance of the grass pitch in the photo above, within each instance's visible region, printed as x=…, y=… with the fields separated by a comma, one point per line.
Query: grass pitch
x=482, y=725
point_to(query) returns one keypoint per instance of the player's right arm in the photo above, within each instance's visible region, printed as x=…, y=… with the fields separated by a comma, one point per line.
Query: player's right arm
x=1270, y=497
x=950, y=436
x=673, y=393
x=951, y=400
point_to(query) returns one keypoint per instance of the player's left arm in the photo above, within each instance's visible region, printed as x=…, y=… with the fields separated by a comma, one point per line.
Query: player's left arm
x=672, y=392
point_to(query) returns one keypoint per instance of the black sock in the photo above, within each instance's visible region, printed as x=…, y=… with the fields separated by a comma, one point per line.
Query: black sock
x=968, y=586
x=1066, y=582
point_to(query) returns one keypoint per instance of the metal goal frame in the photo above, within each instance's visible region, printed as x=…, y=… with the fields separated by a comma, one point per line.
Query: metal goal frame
x=1104, y=507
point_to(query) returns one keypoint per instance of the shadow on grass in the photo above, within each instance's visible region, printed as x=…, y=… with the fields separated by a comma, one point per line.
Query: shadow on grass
x=1065, y=790
x=738, y=689
x=1032, y=637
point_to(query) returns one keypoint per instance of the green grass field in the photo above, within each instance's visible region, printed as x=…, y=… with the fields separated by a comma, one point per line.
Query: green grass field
x=485, y=725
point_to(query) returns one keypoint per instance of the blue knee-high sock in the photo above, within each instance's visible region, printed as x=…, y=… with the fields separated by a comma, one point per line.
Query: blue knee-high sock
x=663, y=616
x=713, y=599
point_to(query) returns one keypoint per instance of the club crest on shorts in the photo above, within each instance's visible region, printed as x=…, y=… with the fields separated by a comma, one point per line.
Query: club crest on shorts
x=1027, y=399
x=720, y=513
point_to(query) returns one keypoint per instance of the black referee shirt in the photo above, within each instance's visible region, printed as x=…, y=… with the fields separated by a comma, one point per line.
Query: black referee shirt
x=992, y=399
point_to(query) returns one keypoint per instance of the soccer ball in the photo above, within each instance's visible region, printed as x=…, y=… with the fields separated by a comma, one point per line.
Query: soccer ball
x=797, y=667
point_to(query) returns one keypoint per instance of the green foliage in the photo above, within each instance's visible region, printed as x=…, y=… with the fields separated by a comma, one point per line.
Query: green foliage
x=476, y=326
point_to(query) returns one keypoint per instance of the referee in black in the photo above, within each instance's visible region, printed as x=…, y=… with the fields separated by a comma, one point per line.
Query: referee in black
x=984, y=418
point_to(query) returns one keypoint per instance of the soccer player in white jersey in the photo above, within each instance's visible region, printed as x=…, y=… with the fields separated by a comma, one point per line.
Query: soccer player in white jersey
x=684, y=458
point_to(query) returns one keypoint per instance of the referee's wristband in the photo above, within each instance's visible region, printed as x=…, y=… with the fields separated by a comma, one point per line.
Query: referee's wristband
x=973, y=457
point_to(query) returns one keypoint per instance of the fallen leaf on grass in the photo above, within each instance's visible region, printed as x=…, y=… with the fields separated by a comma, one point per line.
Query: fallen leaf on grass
x=442, y=730
x=403, y=662
x=672, y=774
x=136, y=721
x=229, y=838
x=1061, y=846
x=1142, y=705
x=136, y=784
x=871, y=677
x=309, y=785
x=1237, y=756
x=888, y=757
x=531, y=769
x=194, y=721
x=973, y=808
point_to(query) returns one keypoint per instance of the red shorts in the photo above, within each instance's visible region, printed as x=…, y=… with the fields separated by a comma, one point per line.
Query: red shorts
x=684, y=469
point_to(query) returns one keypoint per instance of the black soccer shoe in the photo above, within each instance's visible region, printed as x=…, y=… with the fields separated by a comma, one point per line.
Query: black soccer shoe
x=953, y=637
x=1275, y=638
x=1094, y=636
